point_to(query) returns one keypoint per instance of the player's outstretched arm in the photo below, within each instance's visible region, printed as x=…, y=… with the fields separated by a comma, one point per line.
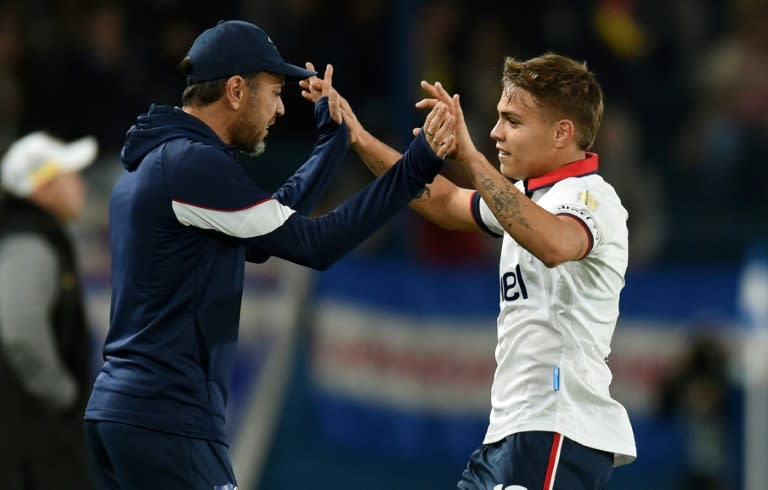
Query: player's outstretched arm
x=442, y=202
x=552, y=239
x=321, y=241
x=307, y=185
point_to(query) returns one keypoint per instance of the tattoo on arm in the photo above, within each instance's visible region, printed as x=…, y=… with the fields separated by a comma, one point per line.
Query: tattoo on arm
x=505, y=204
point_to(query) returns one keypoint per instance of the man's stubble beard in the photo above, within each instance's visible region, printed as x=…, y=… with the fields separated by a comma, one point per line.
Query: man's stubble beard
x=242, y=138
x=250, y=148
x=256, y=150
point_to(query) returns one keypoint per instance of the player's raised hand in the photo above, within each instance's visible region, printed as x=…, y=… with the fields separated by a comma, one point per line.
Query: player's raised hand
x=464, y=147
x=314, y=88
x=310, y=89
x=439, y=130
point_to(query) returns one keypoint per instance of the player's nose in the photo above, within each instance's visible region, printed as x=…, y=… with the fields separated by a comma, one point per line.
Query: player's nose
x=495, y=133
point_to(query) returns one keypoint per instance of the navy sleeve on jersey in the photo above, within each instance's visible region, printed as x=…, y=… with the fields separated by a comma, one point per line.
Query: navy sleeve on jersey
x=305, y=187
x=320, y=242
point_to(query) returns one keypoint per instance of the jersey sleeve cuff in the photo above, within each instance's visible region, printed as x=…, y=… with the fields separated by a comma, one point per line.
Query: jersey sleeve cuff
x=586, y=221
x=474, y=207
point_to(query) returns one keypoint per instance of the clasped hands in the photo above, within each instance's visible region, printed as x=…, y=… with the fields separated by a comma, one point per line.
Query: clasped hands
x=444, y=127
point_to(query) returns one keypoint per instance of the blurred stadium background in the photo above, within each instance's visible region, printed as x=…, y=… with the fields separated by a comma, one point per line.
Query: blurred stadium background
x=375, y=374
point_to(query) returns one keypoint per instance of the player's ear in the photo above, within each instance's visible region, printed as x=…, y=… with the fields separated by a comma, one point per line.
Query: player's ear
x=565, y=132
x=234, y=91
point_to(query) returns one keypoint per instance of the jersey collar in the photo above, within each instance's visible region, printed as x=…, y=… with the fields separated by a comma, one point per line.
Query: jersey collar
x=579, y=168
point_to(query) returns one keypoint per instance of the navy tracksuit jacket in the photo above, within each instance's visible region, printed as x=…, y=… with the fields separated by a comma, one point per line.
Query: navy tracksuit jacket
x=184, y=217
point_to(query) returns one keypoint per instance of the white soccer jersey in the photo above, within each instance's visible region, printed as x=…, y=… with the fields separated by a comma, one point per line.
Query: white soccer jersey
x=555, y=324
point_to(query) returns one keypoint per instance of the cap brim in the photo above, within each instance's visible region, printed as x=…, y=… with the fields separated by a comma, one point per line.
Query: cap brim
x=293, y=71
x=78, y=154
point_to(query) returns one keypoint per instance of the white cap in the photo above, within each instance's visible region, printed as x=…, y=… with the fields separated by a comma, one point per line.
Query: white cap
x=37, y=158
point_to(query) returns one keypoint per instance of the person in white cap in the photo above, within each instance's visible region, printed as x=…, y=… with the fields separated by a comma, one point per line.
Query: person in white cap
x=45, y=350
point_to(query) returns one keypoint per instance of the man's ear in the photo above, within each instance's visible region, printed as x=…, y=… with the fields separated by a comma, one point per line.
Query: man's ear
x=565, y=132
x=234, y=91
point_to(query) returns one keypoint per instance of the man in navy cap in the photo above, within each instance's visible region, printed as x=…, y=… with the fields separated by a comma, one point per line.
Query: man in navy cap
x=184, y=218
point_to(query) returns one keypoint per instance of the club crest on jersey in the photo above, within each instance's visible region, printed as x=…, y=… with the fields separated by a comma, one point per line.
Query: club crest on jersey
x=588, y=200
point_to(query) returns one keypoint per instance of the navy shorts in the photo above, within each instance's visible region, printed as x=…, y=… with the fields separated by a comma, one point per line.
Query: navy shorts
x=537, y=461
x=127, y=457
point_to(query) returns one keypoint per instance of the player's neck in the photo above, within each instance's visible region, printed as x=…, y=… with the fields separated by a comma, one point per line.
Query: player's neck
x=569, y=156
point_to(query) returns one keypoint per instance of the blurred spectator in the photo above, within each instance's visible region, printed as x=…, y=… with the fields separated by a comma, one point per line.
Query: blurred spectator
x=438, y=46
x=487, y=48
x=693, y=83
x=173, y=39
x=696, y=394
x=45, y=371
x=101, y=82
x=436, y=43
x=722, y=149
x=111, y=75
x=10, y=91
x=641, y=189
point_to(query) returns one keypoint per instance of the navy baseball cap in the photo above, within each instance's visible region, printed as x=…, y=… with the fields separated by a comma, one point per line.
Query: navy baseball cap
x=236, y=47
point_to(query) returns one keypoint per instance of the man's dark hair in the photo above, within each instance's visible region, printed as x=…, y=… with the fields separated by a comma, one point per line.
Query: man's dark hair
x=202, y=93
x=208, y=92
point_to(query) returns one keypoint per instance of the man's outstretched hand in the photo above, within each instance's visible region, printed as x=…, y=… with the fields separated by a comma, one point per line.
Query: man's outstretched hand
x=314, y=88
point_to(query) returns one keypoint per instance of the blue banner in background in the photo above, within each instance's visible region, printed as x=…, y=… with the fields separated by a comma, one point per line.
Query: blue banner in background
x=401, y=358
x=392, y=384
